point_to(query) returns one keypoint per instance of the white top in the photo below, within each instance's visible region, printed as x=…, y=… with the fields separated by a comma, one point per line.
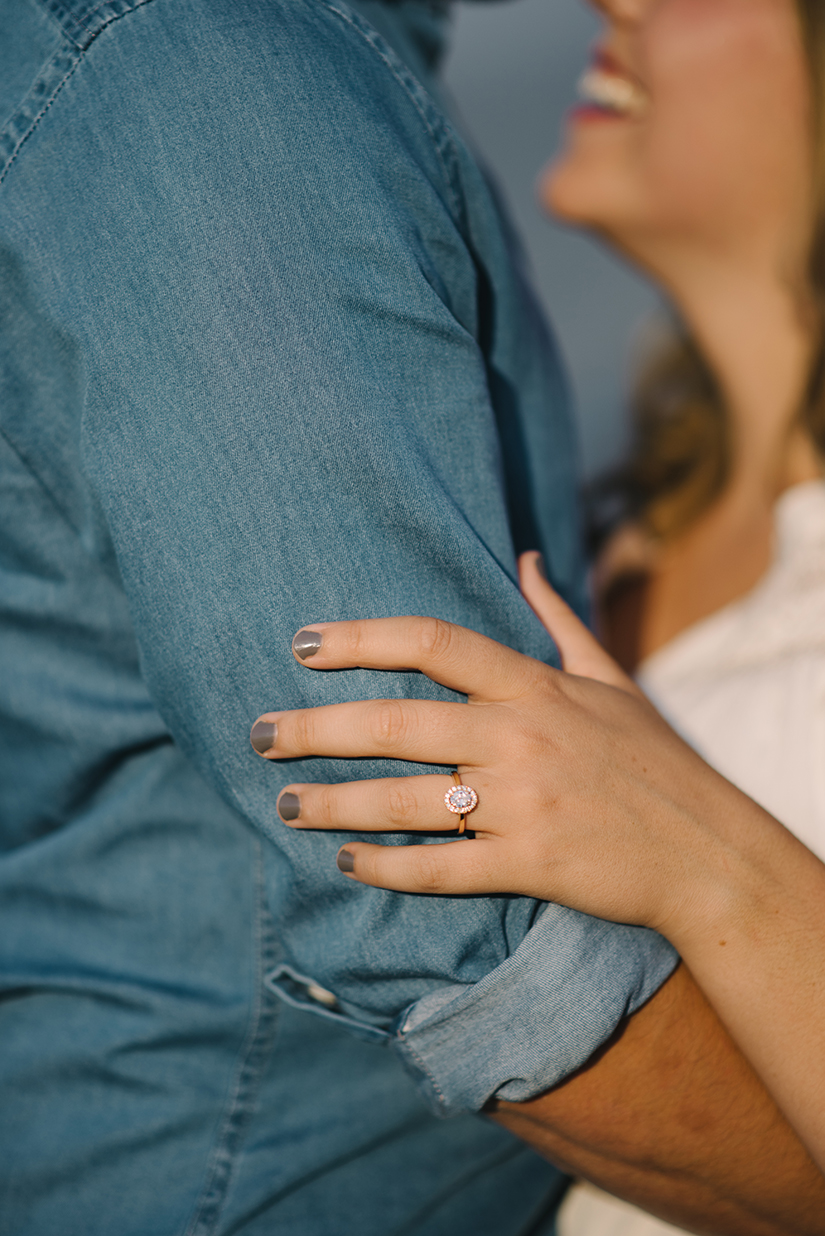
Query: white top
x=746, y=687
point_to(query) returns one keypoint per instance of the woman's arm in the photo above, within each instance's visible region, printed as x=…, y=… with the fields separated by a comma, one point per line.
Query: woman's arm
x=588, y=798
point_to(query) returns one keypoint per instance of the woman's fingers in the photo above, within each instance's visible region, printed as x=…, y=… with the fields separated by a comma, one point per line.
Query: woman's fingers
x=581, y=653
x=425, y=731
x=454, y=868
x=454, y=656
x=395, y=804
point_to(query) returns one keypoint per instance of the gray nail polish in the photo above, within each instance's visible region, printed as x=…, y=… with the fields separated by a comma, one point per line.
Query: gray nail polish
x=345, y=861
x=264, y=735
x=289, y=806
x=307, y=643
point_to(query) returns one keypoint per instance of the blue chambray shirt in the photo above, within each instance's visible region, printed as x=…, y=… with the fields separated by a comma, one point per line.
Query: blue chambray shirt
x=267, y=359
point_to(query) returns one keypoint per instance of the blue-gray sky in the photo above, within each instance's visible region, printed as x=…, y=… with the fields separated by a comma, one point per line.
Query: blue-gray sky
x=512, y=72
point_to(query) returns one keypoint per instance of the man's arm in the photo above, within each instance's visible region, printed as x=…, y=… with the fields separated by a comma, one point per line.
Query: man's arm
x=669, y=1116
x=298, y=337
x=292, y=416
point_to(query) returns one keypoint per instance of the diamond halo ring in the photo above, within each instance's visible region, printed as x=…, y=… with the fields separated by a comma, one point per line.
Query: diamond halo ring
x=461, y=800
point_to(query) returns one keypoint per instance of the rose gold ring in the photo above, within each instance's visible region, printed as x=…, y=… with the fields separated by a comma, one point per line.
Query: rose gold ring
x=461, y=800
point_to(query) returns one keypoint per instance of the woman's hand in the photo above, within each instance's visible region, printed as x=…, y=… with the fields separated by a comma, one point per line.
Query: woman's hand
x=586, y=796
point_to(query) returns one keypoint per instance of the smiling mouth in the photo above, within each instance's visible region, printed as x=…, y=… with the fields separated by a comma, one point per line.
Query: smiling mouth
x=612, y=92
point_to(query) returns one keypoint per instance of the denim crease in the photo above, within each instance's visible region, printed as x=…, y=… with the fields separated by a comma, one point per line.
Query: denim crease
x=244, y=1093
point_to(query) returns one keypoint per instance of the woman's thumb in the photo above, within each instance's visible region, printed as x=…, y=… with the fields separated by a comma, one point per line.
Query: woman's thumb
x=580, y=651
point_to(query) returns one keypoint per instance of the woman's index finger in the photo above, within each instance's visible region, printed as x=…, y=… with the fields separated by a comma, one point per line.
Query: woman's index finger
x=451, y=655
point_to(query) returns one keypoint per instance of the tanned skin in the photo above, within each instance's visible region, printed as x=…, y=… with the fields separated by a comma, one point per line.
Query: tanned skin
x=670, y=1116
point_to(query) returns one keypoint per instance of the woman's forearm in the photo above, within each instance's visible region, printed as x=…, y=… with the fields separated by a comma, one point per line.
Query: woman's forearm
x=750, y=926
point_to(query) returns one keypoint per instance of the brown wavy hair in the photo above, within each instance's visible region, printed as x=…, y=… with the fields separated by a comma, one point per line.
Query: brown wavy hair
x=680, y=458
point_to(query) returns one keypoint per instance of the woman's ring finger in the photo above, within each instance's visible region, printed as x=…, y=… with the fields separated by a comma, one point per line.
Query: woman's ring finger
x=395, y=804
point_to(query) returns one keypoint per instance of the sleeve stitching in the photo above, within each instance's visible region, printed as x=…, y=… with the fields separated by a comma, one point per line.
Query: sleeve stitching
x=411, y=88
x=55, y=64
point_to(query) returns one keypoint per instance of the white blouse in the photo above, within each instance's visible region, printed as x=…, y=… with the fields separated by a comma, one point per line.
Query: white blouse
x=746, y=687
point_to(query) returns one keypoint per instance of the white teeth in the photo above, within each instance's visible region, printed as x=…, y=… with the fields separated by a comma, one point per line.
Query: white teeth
x=617, y=94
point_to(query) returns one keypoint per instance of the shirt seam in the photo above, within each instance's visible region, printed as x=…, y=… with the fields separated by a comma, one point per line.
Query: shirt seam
x=73, y=51
x=50, y=8
x=41, y=485
x=248, y=1070
x=69, y=21
x=403, y=1045
x=25, y=119
x=438, y=134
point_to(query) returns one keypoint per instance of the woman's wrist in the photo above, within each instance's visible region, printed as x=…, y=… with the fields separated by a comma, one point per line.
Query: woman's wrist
x=743, y=888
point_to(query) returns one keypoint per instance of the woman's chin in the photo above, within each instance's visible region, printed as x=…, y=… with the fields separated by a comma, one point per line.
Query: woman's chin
x=580, y=195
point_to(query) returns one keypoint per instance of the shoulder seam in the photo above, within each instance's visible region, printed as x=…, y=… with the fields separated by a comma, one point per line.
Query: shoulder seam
x=442, y=140
x=47, y=86
x=79, y=28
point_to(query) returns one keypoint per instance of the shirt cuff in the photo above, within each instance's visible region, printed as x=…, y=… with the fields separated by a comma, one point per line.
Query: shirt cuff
x=537, y=1017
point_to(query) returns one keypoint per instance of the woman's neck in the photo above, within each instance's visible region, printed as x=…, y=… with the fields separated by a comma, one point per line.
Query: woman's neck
x=753, y=336
x=752, y=331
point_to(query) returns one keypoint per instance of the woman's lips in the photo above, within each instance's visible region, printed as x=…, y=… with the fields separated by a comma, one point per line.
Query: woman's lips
x=609, y=89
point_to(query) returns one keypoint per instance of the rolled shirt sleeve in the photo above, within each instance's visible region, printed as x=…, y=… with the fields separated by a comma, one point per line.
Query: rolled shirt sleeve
x=537, y=1017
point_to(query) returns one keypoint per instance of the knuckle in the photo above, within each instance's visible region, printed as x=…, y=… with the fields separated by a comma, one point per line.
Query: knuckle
x=536, y=679
x=402, y=807
x=435, y=637
x=515, y=741
x=535, y=743
x=387, y=723
x=366, y=866
x=323, y=804
x=432, y=869
x=356, y=633
x=526, y=733
x=523, y=796
x=302, y=731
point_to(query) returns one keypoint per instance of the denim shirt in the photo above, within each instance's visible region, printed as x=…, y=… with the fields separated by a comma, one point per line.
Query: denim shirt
x=267, y=360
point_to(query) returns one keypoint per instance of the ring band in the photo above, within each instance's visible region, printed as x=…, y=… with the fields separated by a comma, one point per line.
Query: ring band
x=461, y=800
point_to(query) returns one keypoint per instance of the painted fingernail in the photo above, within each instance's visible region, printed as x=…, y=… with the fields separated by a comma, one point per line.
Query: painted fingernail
x=289, y=806
x=306, y=644
x=264, y=736
x=345, y=860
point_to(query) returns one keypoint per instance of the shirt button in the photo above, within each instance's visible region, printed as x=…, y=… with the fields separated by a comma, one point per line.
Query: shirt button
x=321, y=995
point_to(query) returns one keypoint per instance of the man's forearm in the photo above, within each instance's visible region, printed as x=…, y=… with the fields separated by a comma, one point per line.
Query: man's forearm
x=671, y=1117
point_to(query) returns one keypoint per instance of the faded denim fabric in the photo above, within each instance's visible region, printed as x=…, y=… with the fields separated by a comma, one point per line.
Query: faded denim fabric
x=266, y=360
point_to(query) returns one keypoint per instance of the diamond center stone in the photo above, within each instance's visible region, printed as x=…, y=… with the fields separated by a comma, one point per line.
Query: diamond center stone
x=461, y=799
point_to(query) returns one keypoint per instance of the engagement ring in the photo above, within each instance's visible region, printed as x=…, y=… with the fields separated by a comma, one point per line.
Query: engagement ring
x=461, y=800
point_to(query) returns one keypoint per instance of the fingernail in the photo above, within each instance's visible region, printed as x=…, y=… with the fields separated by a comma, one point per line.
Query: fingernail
x=289, y=806
x=345, y=860
x=540, y=567
x=306, y=644
x=264, y=736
